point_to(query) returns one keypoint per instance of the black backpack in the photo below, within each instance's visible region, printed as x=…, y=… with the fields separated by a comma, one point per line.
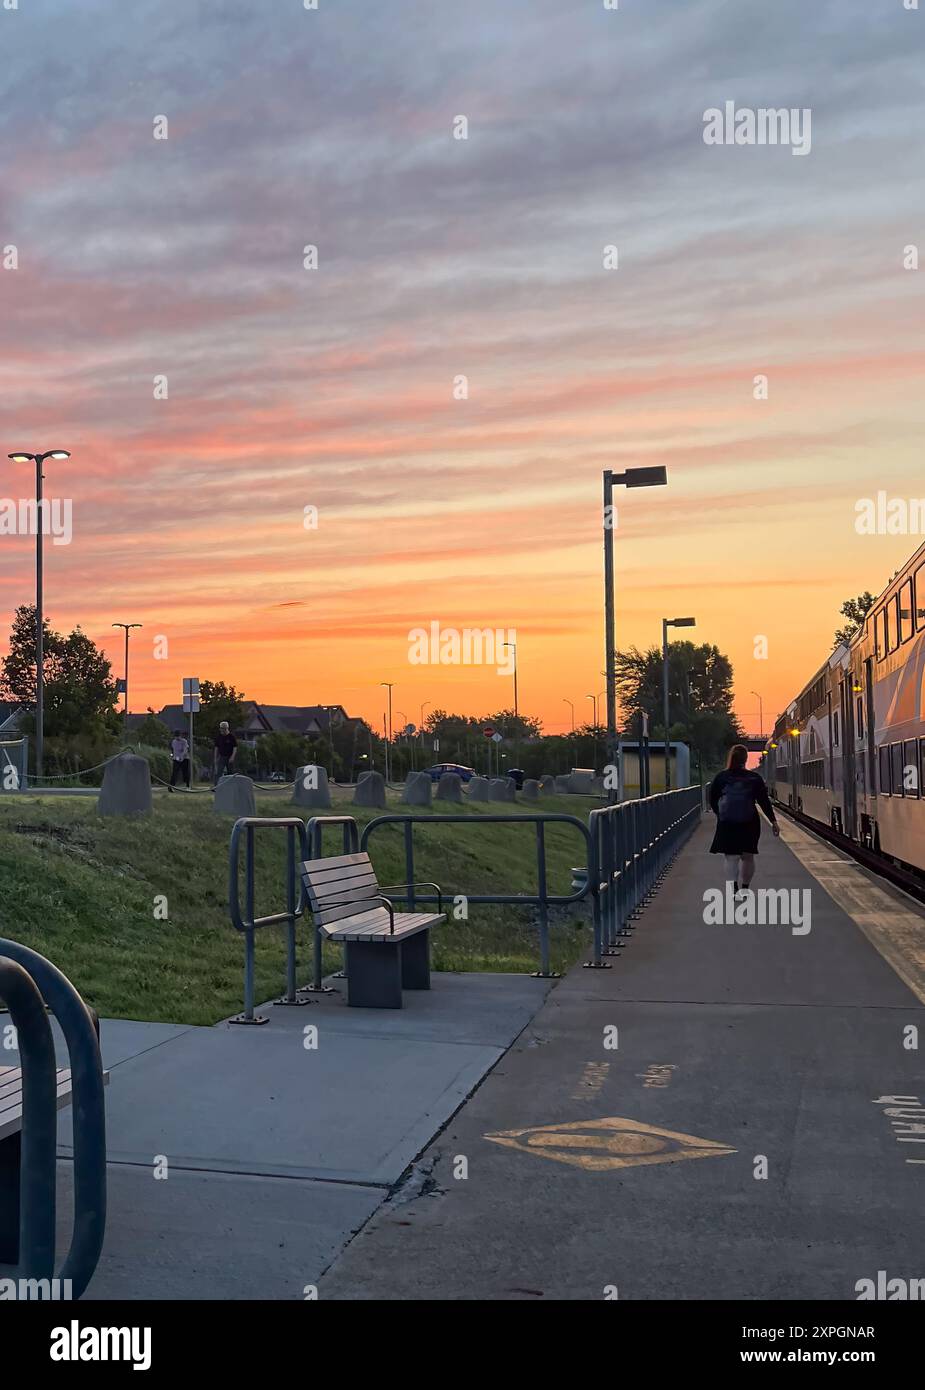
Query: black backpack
x=737, y=802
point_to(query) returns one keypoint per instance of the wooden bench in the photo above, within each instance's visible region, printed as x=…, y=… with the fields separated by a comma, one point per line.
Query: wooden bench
x=385, y=951
x=11, y=1149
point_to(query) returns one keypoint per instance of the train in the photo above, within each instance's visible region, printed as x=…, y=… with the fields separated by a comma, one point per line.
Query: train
x=849, y=751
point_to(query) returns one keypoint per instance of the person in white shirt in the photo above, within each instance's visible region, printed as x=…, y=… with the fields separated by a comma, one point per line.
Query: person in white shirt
x=179, y=752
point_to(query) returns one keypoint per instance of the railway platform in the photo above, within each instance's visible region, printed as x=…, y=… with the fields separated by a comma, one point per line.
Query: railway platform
x=731, y=1111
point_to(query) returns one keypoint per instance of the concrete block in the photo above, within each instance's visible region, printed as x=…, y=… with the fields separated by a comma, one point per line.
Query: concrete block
x=418, y=789
x=234, y=796
x=530, y=790
x=580, y=783
x=547, y=785
x=562, y=785
x=370, y=790
x=477, y=789
x=501, y=789
x=449, y=788
x=310, y=787
x=126, y=789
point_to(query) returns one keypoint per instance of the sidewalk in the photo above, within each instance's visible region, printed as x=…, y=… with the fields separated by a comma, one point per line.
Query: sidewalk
x=741, y=1049
x=277, y=1153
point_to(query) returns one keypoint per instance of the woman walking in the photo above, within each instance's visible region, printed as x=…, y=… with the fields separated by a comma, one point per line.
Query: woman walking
x=735, y=796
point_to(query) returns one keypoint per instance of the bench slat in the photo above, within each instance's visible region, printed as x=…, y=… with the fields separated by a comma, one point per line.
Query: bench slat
x=335, y=861
x=359, y=906
x=319, y=870
x=406, y=924
x=341, y=888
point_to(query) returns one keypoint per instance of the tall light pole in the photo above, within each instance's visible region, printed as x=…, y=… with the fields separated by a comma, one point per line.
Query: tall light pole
x=572, y=708
x=633, y=477
x=39, y=459
x=760, y=713
x=666, y=624
x=423, y=707
x=593, y=699
x=127, y=627
x=388, y=746
x=513, y=646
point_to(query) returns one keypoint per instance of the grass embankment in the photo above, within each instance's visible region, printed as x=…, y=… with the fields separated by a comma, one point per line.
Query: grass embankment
x=87, y=892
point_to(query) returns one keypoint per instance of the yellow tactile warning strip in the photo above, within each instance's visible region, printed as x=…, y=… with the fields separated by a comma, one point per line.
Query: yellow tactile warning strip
x=614, y=1142
x=891, y=923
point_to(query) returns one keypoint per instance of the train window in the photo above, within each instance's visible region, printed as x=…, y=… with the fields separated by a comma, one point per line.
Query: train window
x=896, y=769
x=919, y=593
x=904, y=602
x=835, y=729
x=859, y=717
x=911, y=768
x=884, y=752
x=878, y=635
x=888, y=642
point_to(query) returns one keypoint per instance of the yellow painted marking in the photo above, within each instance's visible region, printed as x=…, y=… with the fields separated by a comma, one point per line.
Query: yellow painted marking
x=597, y=1145
x=894, y=929
x=592, y=1079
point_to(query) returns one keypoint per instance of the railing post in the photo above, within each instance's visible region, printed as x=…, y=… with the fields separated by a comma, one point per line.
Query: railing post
x=544, y=972
x=409, y=864
x=27, y=1203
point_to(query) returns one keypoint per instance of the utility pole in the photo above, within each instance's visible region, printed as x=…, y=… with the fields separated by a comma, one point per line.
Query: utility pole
x=127, y=627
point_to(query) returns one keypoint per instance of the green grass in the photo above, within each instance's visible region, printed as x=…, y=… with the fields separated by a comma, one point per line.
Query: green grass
x=85, y=891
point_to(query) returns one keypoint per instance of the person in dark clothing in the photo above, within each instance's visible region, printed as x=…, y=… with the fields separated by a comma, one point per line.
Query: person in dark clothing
x=225, y=748
x=179, y=757
x=735, y=795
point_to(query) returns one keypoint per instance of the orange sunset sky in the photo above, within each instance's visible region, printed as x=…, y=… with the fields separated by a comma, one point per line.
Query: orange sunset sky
x=438, y=257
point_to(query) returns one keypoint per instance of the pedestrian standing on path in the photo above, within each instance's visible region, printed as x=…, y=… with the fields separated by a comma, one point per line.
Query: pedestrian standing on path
x=179, y=754
x=735, y=795
x=225, y=748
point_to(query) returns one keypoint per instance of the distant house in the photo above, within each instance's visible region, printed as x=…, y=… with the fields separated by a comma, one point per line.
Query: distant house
x=307, y=721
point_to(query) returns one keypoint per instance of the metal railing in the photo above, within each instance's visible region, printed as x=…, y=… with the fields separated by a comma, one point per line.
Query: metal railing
x=634, y=842
x=245, y=921
x=628, y=846
x=29, y=982
x=542, y=899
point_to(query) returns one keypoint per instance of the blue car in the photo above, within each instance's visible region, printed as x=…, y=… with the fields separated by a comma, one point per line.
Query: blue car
x=437, y=771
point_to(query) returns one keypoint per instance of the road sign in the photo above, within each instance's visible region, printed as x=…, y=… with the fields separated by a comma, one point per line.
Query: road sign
x=190, y=694
x=120, y=685
x=496, y=738
x=488, y=730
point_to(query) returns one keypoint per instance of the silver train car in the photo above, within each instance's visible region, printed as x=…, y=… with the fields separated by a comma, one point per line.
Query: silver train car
x=849, y=751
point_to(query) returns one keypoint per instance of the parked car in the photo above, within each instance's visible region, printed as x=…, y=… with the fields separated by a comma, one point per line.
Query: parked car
x=438, y=769
x=277, y=777
x=518, y=775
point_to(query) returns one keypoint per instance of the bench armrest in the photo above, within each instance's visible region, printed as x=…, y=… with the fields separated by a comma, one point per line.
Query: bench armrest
x=418, y=885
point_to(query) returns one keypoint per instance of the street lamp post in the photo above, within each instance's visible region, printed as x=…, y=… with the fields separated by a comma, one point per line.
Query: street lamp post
x=423, y=707
x=760, y=713
x=388, y=745
x=666, y=624
x=127, y=627
x=572, y=708
x=39, y=459
x=633, y=477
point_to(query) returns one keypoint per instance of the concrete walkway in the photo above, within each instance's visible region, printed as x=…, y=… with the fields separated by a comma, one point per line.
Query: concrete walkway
x=743, y=1051
x=242, y=1160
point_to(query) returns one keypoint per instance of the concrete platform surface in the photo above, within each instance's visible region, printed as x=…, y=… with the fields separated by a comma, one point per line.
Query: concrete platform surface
x=702, y=1121
x=277, y=1153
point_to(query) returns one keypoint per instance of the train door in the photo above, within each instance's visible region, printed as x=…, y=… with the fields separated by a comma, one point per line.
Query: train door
x=849, y=800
